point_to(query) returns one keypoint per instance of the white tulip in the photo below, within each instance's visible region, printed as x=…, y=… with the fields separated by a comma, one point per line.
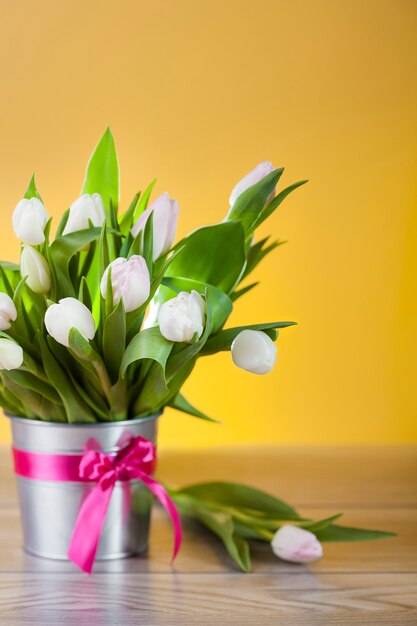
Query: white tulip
x=69, y=313
x=130, y=282
x=87, y=208
x=182, y=317
x=257, y=174
x=35, y=267
x=165, y=216
x=29, y=221
x=11, y=355
x=254, y=351
x=297, y=545
x=8, y=312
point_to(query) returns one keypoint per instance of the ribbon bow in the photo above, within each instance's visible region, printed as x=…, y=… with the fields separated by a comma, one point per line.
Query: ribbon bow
x=134, y=461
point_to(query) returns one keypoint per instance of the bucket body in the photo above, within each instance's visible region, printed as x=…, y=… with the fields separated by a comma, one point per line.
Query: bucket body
x=49, y=509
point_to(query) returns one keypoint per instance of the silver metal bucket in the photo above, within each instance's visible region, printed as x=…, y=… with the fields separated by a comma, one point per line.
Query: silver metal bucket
x=49, y=509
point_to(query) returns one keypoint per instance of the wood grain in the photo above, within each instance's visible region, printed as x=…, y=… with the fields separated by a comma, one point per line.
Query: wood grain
x=364, y=583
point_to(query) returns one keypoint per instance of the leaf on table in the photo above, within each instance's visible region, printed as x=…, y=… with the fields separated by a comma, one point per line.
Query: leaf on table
x=221, y=524
x=242, y=496
x=344, y=533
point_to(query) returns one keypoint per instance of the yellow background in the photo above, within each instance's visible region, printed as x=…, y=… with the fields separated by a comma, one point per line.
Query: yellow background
x=197, y=93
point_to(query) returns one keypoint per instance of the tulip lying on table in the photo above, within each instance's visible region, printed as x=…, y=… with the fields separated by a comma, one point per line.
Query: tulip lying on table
x=238, y=514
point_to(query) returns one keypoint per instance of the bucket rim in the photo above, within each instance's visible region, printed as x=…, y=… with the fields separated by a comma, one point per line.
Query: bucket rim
x=44, y=424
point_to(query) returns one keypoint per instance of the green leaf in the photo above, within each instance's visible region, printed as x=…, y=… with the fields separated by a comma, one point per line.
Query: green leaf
x=148, y=344
x=103, y=247
x=221, y=524
x=84, y=294
x=143, y=202
x=126, y=220
x=224, y=339
x=181, y=404
x=257, y=253
x=10, y=403
x=76, y=409
x=241, y=496
x=126, y=246
x=30, y=381
x=61, y=252
x=274, y=204
x=81, y=347
x=23, y=324
x=9, y=278
x=316, y=525
x=241, y=292
x=114, y=340
x=62, y=224
x=214, y=255
x=154, y=393
x=33, y=401
x=102, y=175
x=148, y=243
x=251, y=202
x=344, y=533
x=31, y=191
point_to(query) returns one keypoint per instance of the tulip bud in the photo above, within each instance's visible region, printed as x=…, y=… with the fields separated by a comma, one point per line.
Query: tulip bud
x=11, y=355
x=69, y=313
x=165, y=216
x=8, y=311
x=29, y=221
x=87, y=208
x=34, y=266
x=254, y=351
x=297, y=545
x=130, y=282
x=257, y=174
x=182, y=317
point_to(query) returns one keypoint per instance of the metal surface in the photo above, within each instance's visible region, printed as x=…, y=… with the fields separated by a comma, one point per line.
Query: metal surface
x=49, y=509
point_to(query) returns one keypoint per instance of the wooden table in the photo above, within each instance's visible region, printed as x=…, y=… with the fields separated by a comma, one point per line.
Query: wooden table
x=362, y=583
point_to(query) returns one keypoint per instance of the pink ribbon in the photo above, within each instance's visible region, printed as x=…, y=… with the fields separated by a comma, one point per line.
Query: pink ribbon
x=135, y=461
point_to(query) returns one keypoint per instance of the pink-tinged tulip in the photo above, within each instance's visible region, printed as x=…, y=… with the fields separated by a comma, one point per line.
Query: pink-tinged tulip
x=297, y=545
x=8, y=313
x=29, y=221
x=165, y=216
x=258, y=173
x=130, y=282
x=254, y=351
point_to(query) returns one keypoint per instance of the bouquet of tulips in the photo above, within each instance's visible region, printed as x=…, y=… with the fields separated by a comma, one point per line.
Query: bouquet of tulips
x=107, y=320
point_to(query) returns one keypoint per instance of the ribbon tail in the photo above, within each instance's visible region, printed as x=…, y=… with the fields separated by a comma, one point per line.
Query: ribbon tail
x=160, y=492
x=87, y=531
